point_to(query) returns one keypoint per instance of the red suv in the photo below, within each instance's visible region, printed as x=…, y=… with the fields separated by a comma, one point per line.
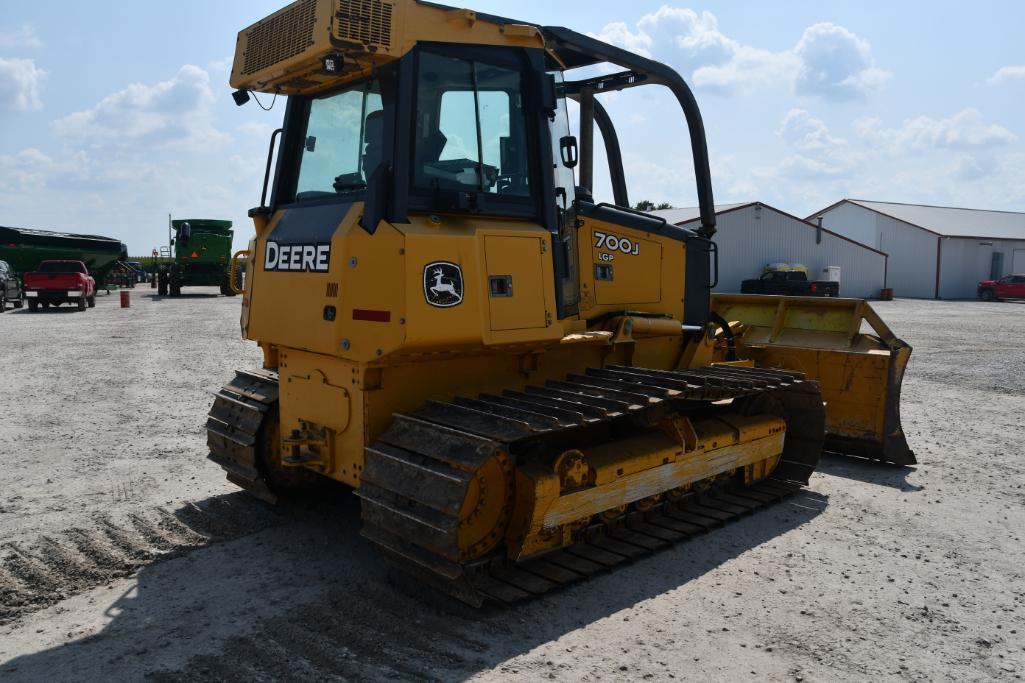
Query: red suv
x=1007, y=287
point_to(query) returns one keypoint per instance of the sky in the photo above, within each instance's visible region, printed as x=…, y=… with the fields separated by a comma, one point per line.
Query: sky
x=115, y=114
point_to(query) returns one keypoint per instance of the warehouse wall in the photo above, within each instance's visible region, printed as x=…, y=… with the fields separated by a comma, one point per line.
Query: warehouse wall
x=912, y=268
x=962, y=264
x=966, y=260
x=852, y=221
x=749, y=238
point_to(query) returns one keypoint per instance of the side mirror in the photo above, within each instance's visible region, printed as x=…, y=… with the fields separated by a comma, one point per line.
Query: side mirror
x=568, y=150
x=560, y=193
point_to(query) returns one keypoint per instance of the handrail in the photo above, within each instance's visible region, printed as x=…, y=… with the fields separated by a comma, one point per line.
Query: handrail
x=234, y=269
x=656, y=73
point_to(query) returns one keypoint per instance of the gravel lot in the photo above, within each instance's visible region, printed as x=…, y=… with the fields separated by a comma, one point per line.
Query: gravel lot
x=124, y=553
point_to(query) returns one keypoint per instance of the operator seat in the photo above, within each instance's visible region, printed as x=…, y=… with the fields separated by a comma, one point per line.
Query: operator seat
x=430, y=144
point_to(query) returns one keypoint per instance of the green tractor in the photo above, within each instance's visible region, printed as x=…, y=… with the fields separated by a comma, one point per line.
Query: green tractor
x=201, y=257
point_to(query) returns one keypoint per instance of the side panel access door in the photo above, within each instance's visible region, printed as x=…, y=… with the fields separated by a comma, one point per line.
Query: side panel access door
x=516, y=298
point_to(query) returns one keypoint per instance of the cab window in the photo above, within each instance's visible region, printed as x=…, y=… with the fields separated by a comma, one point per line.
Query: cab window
x=470, y=138
x=343, y=142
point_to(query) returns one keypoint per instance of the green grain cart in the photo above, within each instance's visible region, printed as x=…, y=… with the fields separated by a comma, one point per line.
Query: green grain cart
x=24, y=249
x=201, y=251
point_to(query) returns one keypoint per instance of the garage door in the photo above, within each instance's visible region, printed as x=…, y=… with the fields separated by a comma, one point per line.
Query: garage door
x=1018, y=263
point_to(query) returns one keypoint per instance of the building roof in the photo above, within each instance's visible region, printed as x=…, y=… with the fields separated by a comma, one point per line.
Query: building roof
x=691, y=214
x=947, y=220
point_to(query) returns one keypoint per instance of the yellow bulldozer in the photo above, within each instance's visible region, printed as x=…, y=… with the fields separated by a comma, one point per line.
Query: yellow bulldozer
x=523, y=385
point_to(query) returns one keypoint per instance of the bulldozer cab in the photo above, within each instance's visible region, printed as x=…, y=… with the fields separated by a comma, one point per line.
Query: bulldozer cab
x=483, y=130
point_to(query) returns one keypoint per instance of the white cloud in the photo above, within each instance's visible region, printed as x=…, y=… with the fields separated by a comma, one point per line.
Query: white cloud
x=620, y=35
x=974, y=167
x=835, y=63
x=76, y=190
x=805, y=133
x=221, y=65
x=818, y=153
x=969, y=181
x=30, y=170
x=175, y=112
x=132, y=156
x=23, y=36
x=828, y=61
x=923, y=144
x=24, y=171
x=20, y=83
x=698, y=35
x=959, y=160
x=964, y=130
x=812, y=168
x=747, y=67
x=657, y=182
x=1007, y=73
x=260, y=130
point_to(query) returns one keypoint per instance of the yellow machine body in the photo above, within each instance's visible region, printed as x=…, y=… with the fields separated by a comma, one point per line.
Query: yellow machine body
x=387, y=350
x=505, y=386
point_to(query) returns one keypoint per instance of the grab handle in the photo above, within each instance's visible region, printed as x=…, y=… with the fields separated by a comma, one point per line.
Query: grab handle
x=234, y=269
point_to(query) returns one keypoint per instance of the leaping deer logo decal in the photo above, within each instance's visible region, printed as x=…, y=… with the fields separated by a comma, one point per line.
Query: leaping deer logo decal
x=443, y=284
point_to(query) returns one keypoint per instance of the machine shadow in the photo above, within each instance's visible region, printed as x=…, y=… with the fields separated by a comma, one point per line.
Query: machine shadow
x=867, y=471
x=312, y=598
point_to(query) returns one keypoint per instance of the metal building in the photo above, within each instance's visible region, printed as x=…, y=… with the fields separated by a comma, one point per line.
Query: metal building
x=752, y=235
x=936, y=252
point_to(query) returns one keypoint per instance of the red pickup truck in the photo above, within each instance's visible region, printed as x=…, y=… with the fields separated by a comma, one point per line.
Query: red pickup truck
x=1007, y=287
x=59, y=282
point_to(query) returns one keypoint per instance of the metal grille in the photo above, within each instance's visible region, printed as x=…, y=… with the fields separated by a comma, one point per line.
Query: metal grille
x=364, y=21
x=280, y=37
x=332, y=290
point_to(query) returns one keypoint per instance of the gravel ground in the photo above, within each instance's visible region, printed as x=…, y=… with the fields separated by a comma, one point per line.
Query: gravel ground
x=125, y=554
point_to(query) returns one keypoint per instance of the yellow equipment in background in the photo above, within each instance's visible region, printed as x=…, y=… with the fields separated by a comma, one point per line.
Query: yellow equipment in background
x=785, y=268
x=525, y=386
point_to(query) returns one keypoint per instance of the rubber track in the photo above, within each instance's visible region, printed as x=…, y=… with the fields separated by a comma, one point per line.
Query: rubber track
x=416, y=474
x=233, y=427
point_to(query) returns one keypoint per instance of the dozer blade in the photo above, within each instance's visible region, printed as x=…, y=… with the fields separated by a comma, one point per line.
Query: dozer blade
x=859, y=373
